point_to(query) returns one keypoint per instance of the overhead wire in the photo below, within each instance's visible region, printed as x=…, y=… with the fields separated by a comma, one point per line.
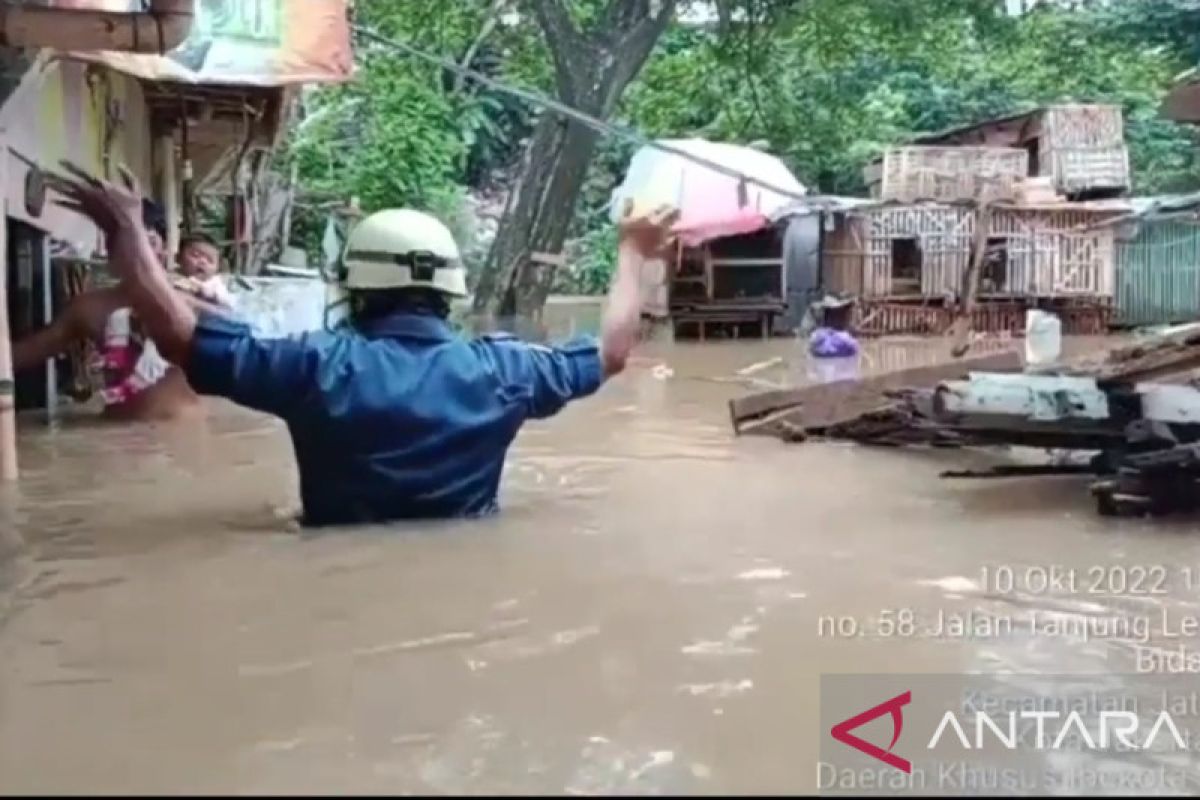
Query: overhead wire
x=594, y=123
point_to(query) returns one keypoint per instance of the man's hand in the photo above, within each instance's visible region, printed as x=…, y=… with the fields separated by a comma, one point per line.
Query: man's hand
x=111, y=206
x=116, y=208
x=647, y=234
x=641, y=236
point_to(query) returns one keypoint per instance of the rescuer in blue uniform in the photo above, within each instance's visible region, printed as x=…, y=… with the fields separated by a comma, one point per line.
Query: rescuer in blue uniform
x=395, y=417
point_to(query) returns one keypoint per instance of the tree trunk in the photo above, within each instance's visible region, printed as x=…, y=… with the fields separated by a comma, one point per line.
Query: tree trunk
x=538, y=221
x=591, y=71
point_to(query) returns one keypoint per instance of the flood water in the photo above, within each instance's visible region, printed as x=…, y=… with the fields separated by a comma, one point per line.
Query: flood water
x=641, y=618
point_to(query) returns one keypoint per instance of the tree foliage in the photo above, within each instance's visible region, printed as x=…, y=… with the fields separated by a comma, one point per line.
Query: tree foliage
x=825, y=84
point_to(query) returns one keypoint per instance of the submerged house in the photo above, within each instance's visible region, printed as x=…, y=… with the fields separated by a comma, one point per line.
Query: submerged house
x=1042, y=182
x=190, y=95
x=907, y=264
x=1158, y=244
x=727, y=275
x=1158, y=262
x=735, y=284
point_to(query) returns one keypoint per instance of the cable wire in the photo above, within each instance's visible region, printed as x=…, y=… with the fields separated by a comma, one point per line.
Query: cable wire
x=598, y=125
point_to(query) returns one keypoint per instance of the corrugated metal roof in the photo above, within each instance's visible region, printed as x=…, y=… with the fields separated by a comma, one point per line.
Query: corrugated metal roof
x=1160, y=207
x=931, y=138
x=934, y=136
x=818, y=204
x=1112, y=206
x=1126, y=208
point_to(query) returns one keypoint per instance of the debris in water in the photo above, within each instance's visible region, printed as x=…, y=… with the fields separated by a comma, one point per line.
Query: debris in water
x=660, y=758
x=764, y=574
x=1147, y=435
x=760, y=366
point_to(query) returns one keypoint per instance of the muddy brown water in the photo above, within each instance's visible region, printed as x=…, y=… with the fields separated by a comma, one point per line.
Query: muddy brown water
x=641, y=618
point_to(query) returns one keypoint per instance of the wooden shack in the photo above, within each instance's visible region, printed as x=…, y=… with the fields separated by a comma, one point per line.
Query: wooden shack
x=907, y=262
x=1081, y=148
x=732, y=286
x=946, y=174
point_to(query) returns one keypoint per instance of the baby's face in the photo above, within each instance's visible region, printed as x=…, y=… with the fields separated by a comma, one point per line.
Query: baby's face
x=199, y=260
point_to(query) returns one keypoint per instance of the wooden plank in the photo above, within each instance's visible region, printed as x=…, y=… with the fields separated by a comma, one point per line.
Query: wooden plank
x=1022, y=471
x=1161, y=357
x=828, y=404
x=549, y=259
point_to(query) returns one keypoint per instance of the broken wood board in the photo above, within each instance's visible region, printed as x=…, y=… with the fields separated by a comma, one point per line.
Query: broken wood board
x=785, y=411
x=1173, y=354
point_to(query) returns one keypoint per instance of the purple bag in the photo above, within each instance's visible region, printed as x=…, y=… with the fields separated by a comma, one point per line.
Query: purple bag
x=828, y=343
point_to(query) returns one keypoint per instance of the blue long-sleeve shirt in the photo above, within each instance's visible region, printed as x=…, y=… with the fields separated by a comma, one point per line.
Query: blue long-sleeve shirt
x=400, y=419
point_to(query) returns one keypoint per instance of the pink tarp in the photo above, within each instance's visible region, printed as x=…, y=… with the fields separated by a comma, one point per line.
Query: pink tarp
x=712, y=204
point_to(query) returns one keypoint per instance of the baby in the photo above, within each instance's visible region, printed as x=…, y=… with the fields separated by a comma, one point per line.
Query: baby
x=128, y=356
x=200, y=265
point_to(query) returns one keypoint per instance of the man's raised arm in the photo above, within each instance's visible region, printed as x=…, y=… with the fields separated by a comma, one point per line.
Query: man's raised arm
x=641, y=237
x=168, y=318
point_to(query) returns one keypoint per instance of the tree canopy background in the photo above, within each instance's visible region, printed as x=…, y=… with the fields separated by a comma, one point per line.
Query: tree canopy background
x=824, y=84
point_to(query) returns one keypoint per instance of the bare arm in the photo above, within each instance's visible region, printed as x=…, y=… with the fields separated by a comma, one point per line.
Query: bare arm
x=116, y=209
x=641, y=237
x=166, y=315
x=37, y=348
x=622, y=316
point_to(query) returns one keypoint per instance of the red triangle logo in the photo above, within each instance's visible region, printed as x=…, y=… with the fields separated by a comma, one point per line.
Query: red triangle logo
x=895, y=706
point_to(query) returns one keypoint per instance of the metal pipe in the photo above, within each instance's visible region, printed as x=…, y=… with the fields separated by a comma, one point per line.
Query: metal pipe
x=46, y=267
x=8, y=420
x=162, y=27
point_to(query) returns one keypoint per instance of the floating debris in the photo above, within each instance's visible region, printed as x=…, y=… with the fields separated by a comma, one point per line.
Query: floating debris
x=1143, y=438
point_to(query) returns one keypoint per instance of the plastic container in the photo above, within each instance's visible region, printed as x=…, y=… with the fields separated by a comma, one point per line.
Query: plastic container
x=1043, y=338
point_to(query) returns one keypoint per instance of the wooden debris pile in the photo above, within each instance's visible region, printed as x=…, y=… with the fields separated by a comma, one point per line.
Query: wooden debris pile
x=813, y=410
x=1134, y=409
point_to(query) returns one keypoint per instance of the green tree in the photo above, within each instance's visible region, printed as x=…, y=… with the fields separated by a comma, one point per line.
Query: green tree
x=826, y=84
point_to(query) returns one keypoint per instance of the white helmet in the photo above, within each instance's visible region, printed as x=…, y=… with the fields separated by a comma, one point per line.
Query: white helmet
x=398, y=249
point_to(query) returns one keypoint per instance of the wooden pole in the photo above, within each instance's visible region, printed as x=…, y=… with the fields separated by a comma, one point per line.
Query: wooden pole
x=961, y=327
x=8, y=422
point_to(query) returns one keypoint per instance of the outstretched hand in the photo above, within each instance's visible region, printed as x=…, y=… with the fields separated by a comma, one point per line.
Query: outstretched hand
x=113, y=207
x=116, y=209
x=647, y=233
